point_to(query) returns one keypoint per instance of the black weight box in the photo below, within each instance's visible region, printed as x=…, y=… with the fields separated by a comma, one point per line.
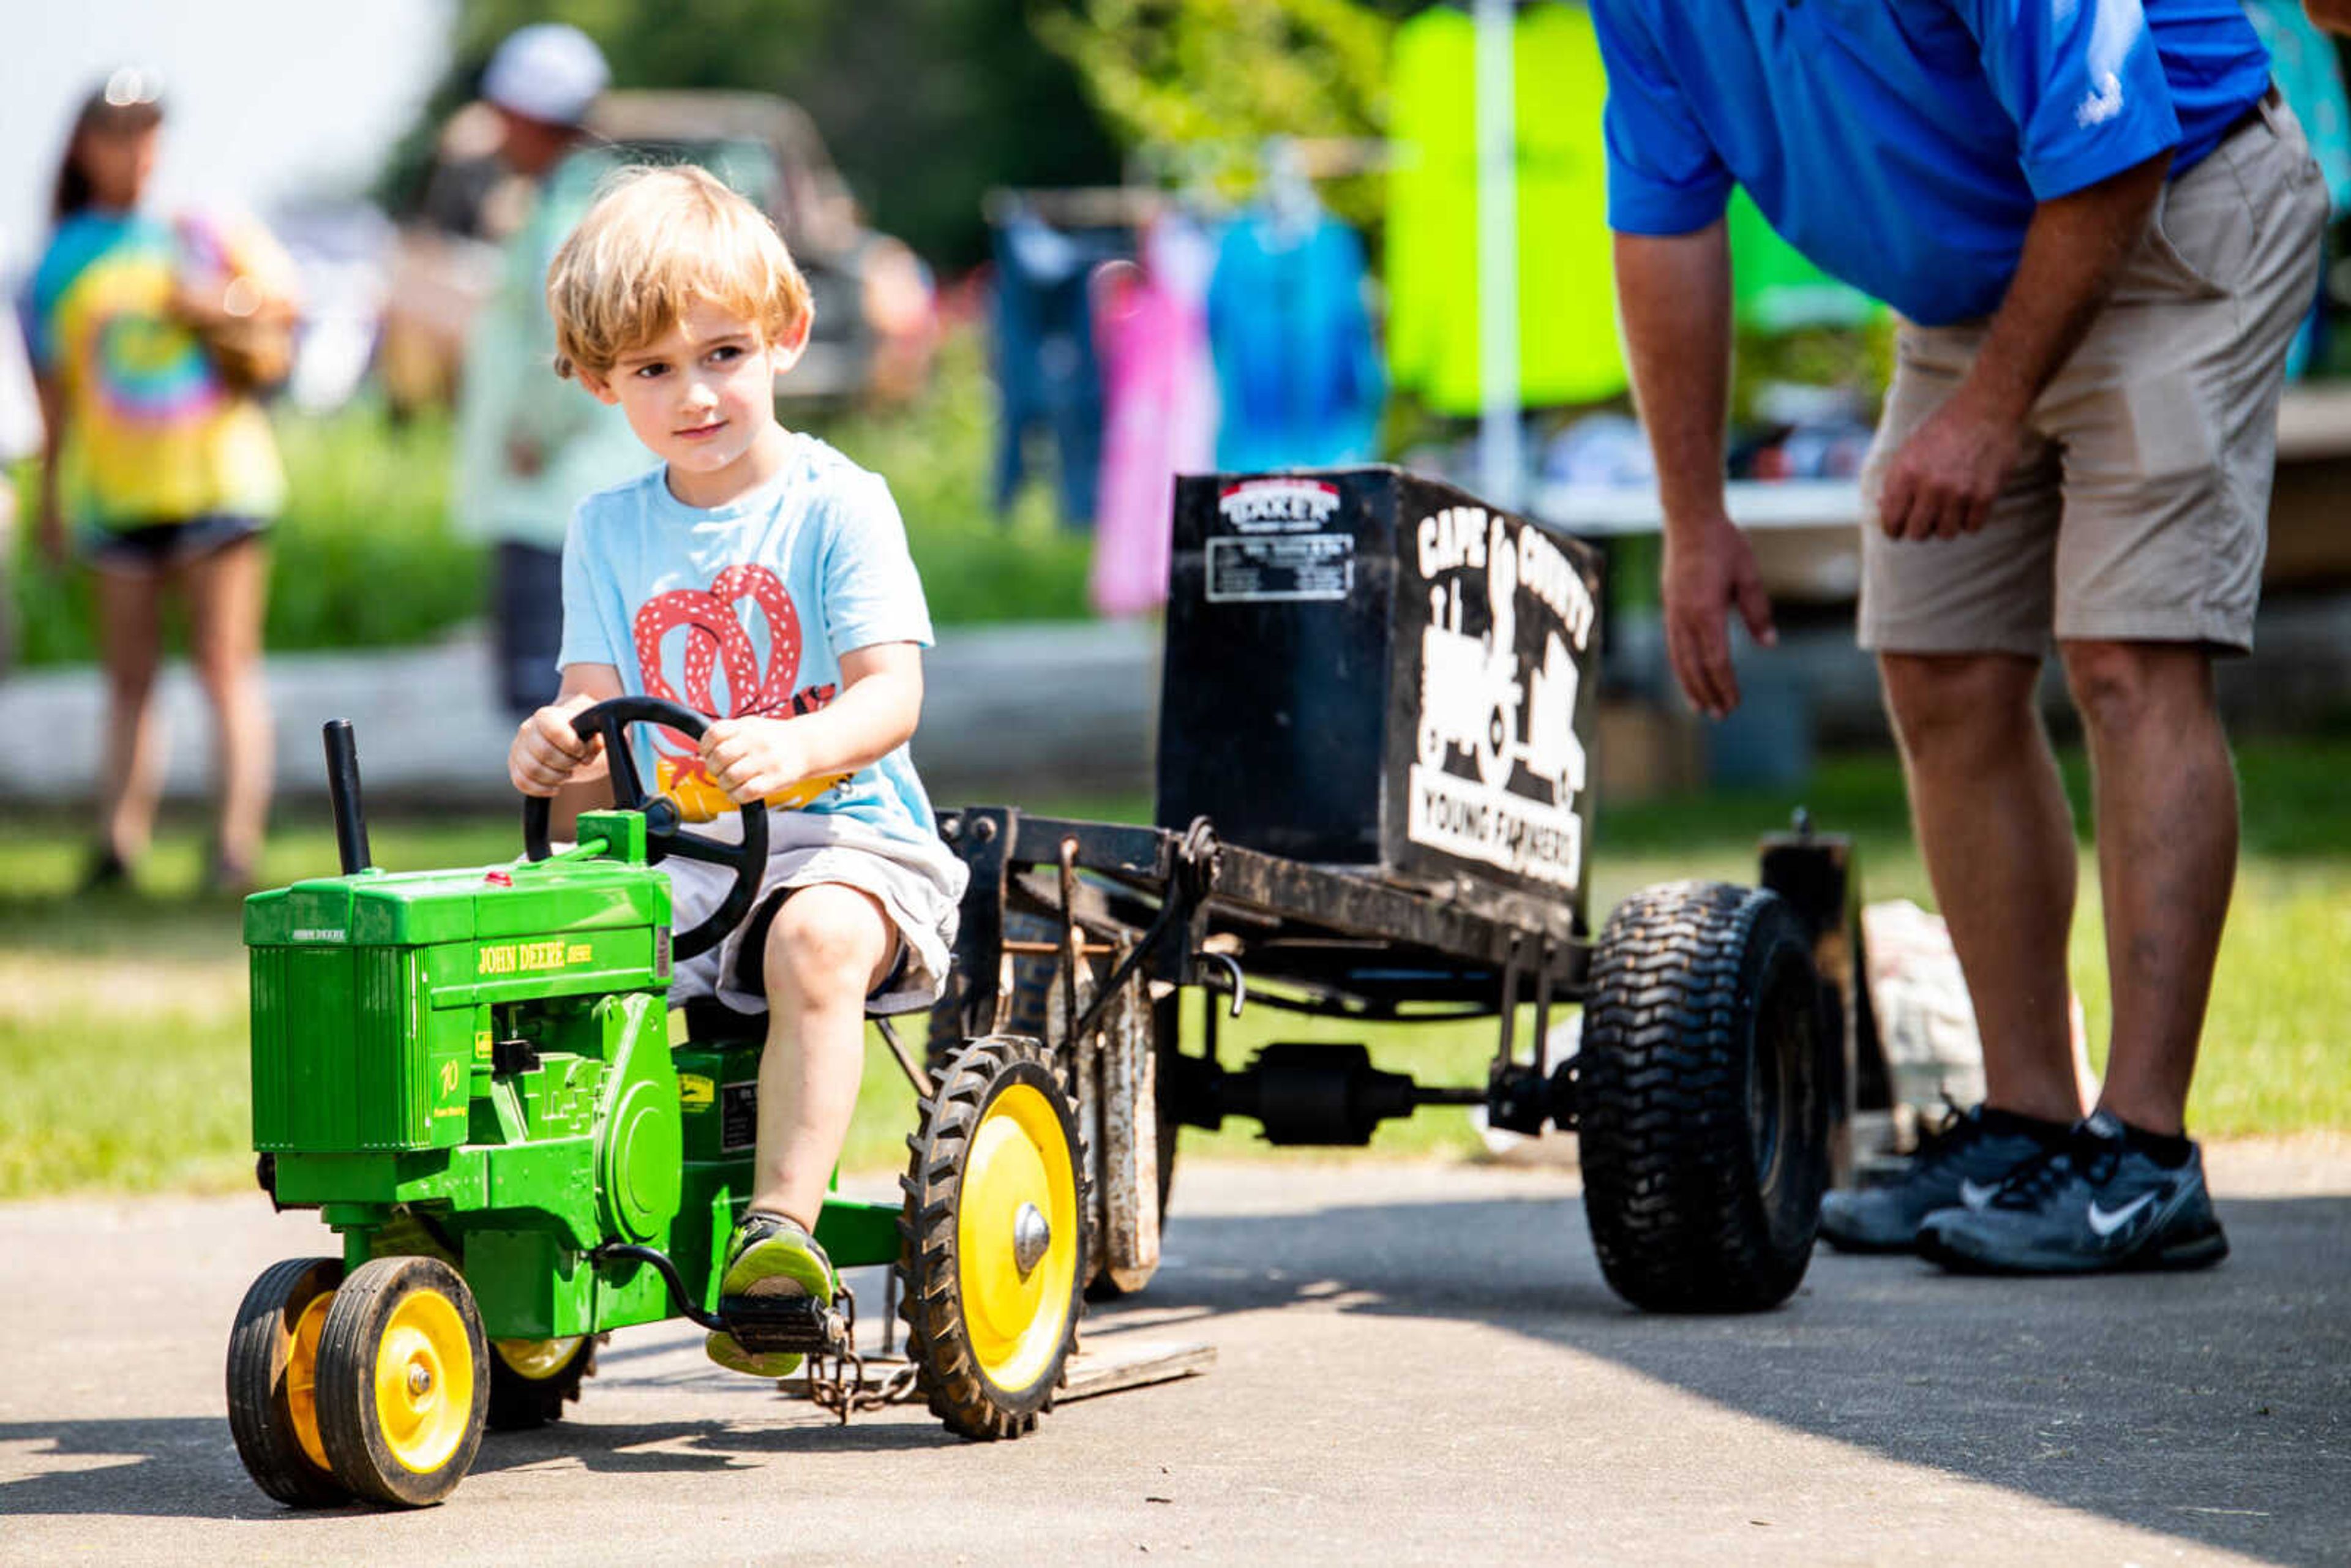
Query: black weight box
x=1369, y=669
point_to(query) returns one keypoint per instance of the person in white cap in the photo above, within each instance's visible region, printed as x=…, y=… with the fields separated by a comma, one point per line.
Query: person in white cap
x=529, y=446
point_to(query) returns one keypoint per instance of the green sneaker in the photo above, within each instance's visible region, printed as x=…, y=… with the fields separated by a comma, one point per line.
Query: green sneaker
x=769, y=1256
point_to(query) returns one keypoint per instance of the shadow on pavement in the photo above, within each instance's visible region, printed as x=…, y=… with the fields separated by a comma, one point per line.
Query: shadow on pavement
x=150, y=1467
x=186, y=1468
x=2215, y=1407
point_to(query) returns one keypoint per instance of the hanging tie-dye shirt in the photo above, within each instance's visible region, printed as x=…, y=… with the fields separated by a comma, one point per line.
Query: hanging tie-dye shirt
x=153, y=436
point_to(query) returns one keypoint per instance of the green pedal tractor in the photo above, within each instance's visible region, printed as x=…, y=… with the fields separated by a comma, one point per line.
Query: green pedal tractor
x=471, y=1075
x=1373, y=811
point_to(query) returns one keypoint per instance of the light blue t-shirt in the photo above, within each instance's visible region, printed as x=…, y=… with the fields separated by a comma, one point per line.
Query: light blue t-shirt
x=745, y=609
x=1902, y=146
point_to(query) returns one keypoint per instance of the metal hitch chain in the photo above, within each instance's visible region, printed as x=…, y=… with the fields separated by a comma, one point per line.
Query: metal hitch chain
x=837, y=1380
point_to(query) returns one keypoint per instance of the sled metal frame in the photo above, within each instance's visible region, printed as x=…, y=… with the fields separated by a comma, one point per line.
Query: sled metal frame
x=1189, y=911
x=1305, y=938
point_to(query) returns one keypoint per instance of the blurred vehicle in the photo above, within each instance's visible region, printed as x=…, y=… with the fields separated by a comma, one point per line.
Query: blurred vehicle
x=876, y=316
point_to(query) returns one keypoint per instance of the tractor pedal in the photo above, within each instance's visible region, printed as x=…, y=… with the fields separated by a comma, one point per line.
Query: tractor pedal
x=762, y=1324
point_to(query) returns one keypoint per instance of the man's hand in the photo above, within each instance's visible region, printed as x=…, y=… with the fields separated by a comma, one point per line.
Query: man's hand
x=752, y=758
x=1709, y=568
x=547, y=752
x=1944, y=480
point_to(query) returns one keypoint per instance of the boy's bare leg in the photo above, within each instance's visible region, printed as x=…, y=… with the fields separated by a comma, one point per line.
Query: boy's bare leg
x=129, y=643
x=829, y=945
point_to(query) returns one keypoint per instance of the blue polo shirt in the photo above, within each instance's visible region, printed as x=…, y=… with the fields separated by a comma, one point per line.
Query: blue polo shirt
x=1902, y=144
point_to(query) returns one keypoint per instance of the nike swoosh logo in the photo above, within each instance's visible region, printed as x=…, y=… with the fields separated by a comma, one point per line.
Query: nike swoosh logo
x=1976, y=1196
x=2106, y=1224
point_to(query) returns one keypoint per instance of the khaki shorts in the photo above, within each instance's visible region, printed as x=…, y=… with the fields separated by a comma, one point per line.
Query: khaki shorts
x=2140, y=510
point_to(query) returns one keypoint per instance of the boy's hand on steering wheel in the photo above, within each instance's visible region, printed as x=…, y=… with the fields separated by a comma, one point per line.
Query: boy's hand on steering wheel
x=547, y=752
x=752, y=758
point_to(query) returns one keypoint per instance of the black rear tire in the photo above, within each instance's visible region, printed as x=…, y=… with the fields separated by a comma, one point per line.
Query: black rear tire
x=1036, y=1013
x=1702, y=1100
x=973, y=1384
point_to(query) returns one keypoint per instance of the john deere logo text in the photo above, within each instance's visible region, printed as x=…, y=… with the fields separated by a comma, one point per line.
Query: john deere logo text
x=519, y=957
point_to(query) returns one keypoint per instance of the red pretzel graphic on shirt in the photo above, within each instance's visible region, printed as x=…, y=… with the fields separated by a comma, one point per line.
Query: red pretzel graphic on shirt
x=715, y=640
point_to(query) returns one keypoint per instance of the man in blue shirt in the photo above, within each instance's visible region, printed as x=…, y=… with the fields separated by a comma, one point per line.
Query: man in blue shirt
x=2100, y=227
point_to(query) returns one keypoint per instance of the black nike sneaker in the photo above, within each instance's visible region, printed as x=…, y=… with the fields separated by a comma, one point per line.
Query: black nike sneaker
x=2093, y=1205
x=1962, y=1163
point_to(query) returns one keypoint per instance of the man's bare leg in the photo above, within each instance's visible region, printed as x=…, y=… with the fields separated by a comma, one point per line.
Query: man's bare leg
x=2167, y=824
x=1998, y=838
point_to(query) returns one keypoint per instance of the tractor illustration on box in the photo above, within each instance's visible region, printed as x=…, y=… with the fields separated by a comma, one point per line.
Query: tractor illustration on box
x=1472, y=698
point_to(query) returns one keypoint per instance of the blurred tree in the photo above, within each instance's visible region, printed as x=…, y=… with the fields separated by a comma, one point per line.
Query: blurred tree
x=1200, y=84
x=924, y=103
x=1178, y=72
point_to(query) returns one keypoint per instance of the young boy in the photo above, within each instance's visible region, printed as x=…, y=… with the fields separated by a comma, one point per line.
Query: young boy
x=759, y=576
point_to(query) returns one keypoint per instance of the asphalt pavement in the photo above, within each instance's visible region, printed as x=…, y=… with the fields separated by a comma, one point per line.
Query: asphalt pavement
x=1415, y=1364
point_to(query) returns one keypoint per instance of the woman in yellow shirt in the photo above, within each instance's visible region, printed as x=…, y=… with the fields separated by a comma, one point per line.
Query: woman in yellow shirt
x=160, y=458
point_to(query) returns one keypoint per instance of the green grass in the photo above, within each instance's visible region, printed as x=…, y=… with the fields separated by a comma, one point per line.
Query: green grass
x=122, y=1018
x=363, y=557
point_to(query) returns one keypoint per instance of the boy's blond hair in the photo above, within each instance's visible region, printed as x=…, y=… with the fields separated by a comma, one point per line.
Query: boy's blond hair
x=657, y=240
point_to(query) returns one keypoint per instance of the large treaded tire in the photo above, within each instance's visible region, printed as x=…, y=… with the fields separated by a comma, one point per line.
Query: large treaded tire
x=939, y=1333
x=1700, y=1098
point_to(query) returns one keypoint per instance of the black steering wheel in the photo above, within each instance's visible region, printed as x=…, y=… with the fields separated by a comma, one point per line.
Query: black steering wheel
x=666, y=834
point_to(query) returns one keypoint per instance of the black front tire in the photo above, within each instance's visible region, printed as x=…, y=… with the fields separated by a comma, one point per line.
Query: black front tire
x=1702, y=1100
x=402, y=1324
x=271, y=1378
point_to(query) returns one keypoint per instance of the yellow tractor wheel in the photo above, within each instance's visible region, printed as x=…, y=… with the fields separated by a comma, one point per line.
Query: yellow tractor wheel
x=992, y=1265
x=403, y=1381
x=273, y=1359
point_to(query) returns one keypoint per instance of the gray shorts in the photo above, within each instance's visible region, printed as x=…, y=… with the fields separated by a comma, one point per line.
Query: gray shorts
x=2138, y=510
x=919, y=886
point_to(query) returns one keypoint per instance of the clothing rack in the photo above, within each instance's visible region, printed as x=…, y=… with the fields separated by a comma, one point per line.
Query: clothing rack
x=1080, y=206
x=1161, y=175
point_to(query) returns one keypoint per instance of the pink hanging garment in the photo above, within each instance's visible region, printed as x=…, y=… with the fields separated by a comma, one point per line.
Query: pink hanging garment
x=1159, y=418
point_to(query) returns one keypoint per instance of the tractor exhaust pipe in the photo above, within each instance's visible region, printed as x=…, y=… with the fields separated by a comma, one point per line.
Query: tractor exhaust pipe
x=343, y=793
